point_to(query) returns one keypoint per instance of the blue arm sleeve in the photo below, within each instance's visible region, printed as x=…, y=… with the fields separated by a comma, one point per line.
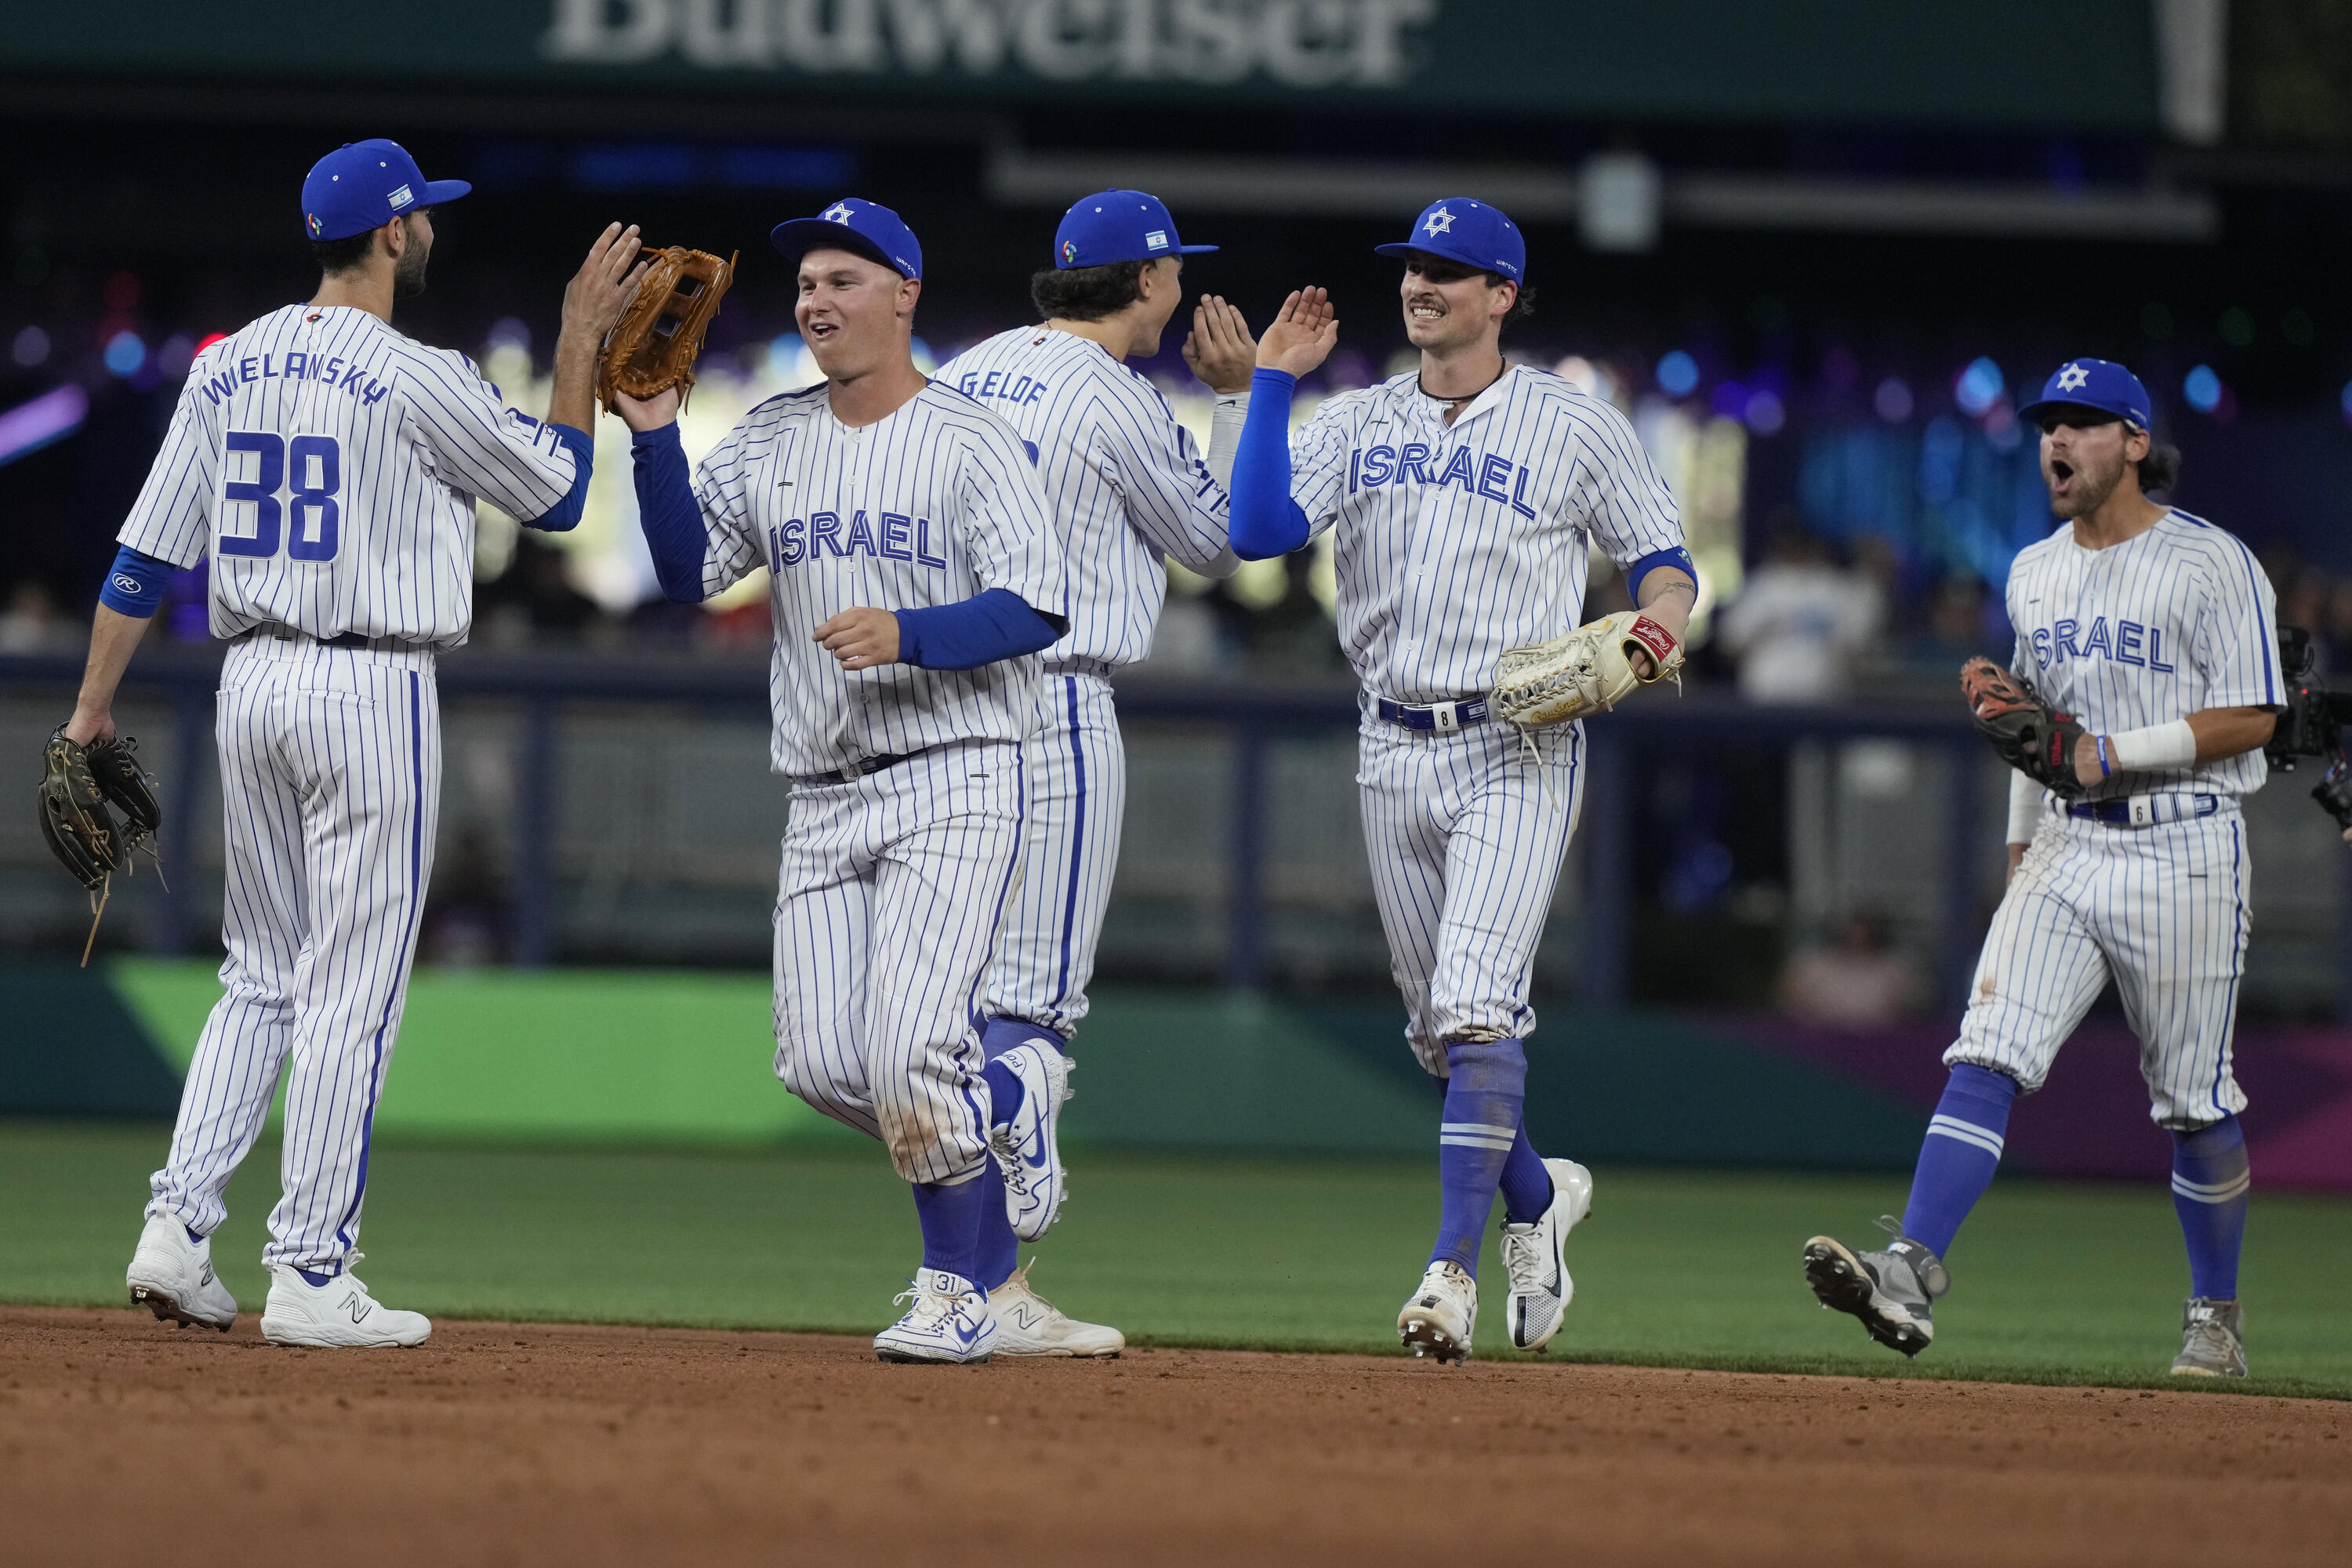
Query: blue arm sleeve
x=997, y=623
x=1265, y=521
x=1677, y=558
x=672, y=518
x=135, y=583
x=564, y=516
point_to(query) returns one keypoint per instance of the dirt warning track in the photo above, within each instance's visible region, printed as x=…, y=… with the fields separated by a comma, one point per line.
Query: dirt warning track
x=121, y=1439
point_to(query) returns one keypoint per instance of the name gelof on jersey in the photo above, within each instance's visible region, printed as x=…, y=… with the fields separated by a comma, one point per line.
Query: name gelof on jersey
x=2128, y=642
x=330, y=369
x=1004, y=384
x=1487, y=474
x=898, y=538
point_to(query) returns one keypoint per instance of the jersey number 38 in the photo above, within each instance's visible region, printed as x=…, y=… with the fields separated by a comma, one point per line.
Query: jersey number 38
x=292, y=491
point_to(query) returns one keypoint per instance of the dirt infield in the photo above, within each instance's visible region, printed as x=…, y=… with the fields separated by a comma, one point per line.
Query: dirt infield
x=123, y=1440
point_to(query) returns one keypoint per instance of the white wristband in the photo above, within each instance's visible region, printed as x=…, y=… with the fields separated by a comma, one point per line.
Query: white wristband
x=2172, y=746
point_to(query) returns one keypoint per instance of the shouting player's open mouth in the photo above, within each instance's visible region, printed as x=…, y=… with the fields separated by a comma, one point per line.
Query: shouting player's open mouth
x=2062, y=477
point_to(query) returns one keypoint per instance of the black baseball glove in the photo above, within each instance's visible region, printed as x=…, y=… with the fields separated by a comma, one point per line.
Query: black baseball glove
x=2032, y=737
x=78, y=784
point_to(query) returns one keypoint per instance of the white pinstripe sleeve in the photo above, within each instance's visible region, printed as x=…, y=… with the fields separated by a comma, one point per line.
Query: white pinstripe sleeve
x=1623, y=502
x=1172, y=497
x=172, y=519
x=479, y=445
x=722, y=488
x=1008, y=539
x=2236, y=640
x=1318, y=461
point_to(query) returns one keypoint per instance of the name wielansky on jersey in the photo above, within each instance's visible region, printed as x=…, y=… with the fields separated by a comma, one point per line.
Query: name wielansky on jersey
x=330, y=369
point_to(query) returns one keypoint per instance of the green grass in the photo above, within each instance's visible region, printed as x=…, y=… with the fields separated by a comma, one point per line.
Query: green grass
x=2056, y=1283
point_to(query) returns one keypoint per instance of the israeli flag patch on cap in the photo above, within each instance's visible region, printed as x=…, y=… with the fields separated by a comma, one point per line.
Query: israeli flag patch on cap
x=1156, y=239
x=400, y=198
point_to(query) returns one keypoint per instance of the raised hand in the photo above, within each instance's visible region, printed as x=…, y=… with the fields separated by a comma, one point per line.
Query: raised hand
x=1219, y=348
x=601, y=289
x=1302, y=333
x=648, y=413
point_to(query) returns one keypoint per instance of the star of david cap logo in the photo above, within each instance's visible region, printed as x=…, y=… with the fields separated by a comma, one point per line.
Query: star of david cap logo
x=1471, y=233
x=861, y=227
x=2100, y=385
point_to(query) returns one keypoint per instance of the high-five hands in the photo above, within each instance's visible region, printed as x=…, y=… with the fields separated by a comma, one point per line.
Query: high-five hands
x=1219, y=348
x=1301, y=336
x=602, y=287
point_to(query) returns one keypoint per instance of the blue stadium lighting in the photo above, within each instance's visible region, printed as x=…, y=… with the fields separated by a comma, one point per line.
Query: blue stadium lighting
x=2346, y=400
x=2202, y=388
x=1677, y=374
x=125, y=352
x=1892, y=400
x=1979, y=387
x=1730, y=401
x=1766, y=414
x=52, y=417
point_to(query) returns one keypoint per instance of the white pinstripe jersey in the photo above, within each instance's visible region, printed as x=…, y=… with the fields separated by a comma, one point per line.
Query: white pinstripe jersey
x=1124, y=484
x=933, y=504
x=2171, y=621
x=1456, y=543
x=330, y=464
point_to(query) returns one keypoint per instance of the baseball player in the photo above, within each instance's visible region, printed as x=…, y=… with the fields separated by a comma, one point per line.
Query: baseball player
x=1466, y=495
x=914, y=576
x=2151, y=638
x=1127, y=489
x=330, y=466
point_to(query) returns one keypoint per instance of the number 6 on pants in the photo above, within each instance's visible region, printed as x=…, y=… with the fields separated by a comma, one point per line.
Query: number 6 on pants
x=309, y=472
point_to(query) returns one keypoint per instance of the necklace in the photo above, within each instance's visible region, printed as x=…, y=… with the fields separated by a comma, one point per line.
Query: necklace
x=1458, y=402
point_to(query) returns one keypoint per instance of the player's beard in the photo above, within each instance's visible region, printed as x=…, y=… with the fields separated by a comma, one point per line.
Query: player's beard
x=2092, y=487
x=408, y=274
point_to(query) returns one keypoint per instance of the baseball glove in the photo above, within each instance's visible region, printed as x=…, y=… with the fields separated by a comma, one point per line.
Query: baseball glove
x=2032, y=737
x=1585, y=671
x=652, y=346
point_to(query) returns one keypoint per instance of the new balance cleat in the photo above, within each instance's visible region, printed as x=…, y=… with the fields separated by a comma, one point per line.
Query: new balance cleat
x=950, y=1323
x=1439, y=1318
x=1893, y=1292
x=172, y=1276
x=1028, y=1324
x=1028, y=1147
x=339, y=1315
x=2212, y=1341
x=1535, y=1256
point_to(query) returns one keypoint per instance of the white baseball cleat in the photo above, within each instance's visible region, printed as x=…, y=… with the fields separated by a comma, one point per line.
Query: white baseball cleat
x=1028, y=1147
x=336, y=1315
x=1536, y=1255
x=950, y=1322
x=1438, y=1320
x=173, y=1277
x=1028, y=1324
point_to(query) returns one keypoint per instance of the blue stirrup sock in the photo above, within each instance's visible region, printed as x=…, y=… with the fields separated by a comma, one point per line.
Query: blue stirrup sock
x=998, y=1037
x=1484, y=1095
x=997, y=1251
x=950, y=1217
x=2209, y=1183
x=1526, y=1186
x=1959, y=1155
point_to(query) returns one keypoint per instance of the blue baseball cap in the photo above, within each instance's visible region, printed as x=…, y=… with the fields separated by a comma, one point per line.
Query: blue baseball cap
x=362, y=186
x=2099, y=383
x=876, y=233
x=1471, y=233
x=1111, y=227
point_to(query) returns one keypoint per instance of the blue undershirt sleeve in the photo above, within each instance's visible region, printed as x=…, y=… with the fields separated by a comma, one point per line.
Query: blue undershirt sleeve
x=675, y=532
x=1266, y=521
x=564, y=515
x=135, y=583
x=990, y=626
x=1678, y=558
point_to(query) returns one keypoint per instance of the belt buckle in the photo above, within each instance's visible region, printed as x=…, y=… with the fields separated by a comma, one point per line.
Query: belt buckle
x=1443, y=716
x=851, y=773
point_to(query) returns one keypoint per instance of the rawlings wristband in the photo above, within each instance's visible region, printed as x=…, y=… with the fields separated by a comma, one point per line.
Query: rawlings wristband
x=2172, y=746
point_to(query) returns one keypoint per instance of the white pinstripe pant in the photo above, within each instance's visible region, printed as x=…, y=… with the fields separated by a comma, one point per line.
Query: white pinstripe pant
x=1077, y=803
x=886, y=910
x=330, y=779
x=1465, y=843
x=2163, y=909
